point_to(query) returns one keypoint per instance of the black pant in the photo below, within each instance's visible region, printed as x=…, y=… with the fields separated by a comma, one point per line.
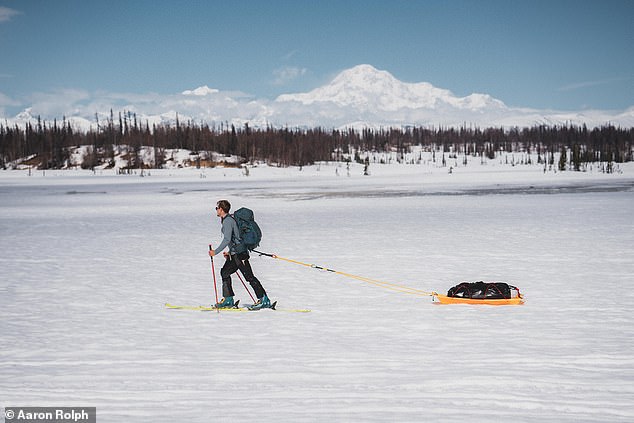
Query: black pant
x=233, y=264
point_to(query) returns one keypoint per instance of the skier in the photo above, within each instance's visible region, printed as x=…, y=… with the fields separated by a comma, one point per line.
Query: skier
x=237, y=258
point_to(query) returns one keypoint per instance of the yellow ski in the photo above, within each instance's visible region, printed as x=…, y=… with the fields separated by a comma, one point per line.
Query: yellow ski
x=240, y=309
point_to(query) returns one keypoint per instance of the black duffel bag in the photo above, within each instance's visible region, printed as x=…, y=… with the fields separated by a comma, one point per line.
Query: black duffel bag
x=483, y=290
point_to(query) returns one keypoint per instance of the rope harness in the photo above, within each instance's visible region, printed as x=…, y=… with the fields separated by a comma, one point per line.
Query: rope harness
x=382, y=284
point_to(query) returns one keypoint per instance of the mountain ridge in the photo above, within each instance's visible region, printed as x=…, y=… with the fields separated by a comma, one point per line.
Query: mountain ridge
x=364, y=86
x=361, y=96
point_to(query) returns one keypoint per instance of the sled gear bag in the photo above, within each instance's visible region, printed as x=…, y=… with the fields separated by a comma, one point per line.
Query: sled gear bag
x=250, y=232
x=484, y=290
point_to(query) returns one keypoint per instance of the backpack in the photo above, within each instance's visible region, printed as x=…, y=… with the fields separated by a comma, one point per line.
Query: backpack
x=250, y=232
x=483, y=290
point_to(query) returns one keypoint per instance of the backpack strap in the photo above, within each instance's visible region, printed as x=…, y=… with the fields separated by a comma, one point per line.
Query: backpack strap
x=236, y=238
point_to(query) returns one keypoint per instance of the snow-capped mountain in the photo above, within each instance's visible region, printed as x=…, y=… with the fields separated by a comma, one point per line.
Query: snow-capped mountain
x=367, y=88
x=29, y=116
x=366, y=96
x=362, y=96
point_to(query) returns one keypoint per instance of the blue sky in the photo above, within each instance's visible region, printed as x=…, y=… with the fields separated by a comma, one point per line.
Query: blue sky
x=566, y=55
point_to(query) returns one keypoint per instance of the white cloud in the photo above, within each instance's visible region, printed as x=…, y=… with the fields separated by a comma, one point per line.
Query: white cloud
x=287, y=74
x=7, y=101
x=586, y=84
x=4, y=102
x=60, y=102
x=201, y=91
x=6, y=14
x=288, y=56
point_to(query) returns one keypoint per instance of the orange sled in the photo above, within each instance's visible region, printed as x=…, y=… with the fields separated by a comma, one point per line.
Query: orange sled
x=490, y=293
x=443, y=299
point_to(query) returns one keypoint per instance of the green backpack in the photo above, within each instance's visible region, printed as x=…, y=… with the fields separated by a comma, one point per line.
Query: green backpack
x=250, y=232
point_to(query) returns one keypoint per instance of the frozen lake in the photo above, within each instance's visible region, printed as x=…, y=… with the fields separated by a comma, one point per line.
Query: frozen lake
x=88, y=262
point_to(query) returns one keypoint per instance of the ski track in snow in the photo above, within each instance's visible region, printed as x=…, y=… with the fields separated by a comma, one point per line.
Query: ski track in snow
x=84, y=279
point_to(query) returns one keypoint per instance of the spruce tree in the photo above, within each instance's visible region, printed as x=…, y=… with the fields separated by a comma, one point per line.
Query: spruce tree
x=562, y=159
x=576, y=157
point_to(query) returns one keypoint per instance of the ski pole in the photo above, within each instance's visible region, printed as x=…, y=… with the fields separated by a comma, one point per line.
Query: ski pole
x=213, y=271
x=245, y=286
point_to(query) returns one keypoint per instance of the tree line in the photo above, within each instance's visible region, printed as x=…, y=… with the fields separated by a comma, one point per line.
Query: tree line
x=48, y=145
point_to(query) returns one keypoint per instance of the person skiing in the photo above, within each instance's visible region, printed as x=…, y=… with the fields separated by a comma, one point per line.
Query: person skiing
x=237, y=258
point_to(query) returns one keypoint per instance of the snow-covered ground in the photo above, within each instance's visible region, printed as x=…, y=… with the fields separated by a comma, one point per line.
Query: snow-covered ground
x=88, y=260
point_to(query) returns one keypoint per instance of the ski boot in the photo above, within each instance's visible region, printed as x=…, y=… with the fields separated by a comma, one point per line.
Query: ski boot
x=261, y=303
x=226, y=302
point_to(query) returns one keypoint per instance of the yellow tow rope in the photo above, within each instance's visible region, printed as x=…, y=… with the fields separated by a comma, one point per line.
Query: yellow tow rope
x=382, y=284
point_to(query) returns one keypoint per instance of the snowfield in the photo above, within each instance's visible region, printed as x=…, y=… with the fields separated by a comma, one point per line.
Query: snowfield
x=88, y=261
